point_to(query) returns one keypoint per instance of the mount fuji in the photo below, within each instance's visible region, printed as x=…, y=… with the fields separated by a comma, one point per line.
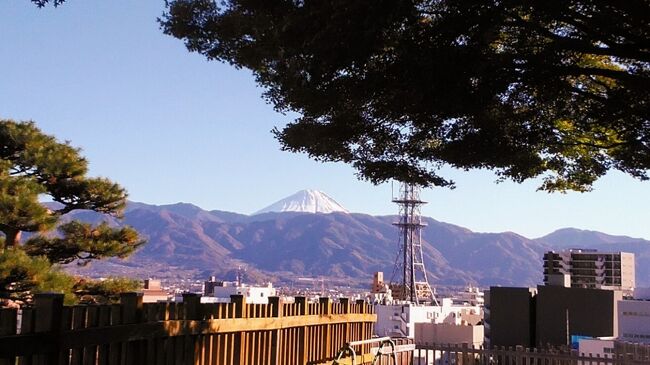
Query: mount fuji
x=305, y=201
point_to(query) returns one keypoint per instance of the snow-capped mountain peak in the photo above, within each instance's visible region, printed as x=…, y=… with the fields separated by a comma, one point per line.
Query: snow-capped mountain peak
x=308, y=201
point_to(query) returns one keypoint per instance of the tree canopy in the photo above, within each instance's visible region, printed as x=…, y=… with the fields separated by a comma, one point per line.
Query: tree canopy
x=42, y=3
x=21, y=275
x=398, y=89
x=35, y=166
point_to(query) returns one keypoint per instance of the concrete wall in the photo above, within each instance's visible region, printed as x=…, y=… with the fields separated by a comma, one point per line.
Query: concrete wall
x=443, y=333
x=586, y=312
x=509, y=316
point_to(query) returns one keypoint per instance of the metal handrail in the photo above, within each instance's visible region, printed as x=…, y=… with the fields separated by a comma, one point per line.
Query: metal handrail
x=348, y=347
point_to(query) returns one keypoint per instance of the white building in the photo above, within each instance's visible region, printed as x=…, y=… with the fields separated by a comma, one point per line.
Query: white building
x=634, y=321
x=221, y=292
x=471, y=296
x=399, y=320
x=596, y=347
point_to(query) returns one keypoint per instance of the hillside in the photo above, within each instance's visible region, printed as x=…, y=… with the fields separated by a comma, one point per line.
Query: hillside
x=185, y=240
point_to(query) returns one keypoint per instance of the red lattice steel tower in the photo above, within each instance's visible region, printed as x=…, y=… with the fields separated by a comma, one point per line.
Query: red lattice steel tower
x=414, y=285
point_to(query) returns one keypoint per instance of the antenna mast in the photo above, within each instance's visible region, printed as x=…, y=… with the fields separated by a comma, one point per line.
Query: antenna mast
x=415, y=284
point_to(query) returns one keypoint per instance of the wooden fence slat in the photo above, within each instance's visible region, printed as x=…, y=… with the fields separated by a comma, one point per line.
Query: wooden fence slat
x=26, y=328
x=78, y=323
x=48, y=309
x=8, y=326
x=183, y=333
x=103, y=321
x=131, y=309
x=115, y=348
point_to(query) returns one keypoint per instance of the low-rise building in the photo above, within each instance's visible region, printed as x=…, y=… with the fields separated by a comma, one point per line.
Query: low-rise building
x=222, y=290
x=634, y=321
x=153, y=292
x=596, y=347
x=472, y=295
x=446, y=333
x=400, y=319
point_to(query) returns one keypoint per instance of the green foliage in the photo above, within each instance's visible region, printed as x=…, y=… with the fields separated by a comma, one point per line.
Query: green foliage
x=81, y=242
x=21, y=276
x=34, y=165
x=58, y=168
x=400, y=88
x=105, y=291
x=42, y=3
x=19, y=205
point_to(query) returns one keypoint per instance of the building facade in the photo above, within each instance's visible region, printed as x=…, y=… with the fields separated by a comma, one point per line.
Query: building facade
x=509, y=317
x=153, y=292
x=591, y=269
x=445, y=333
x=549, y=316
x=601, y=347
x=634, y=321
x=400, y=319
x=564, y=312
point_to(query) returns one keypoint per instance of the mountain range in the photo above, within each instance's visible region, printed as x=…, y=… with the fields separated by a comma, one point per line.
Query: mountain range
x=292, y=239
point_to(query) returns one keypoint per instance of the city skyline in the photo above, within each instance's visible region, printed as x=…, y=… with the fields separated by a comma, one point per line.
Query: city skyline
x=172, y=127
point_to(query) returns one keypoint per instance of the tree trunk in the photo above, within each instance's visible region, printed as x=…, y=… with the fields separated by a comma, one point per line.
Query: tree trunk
x=12, y=238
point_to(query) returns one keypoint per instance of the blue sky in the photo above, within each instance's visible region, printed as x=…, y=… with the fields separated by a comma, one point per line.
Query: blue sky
x=171, y=126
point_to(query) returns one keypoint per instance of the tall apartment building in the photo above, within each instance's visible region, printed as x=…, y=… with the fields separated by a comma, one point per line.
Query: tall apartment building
x=581, y=268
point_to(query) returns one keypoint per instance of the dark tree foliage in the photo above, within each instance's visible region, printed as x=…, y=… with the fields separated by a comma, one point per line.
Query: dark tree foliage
x=22, y=275
x=557, y=89
x=42, y=3
x=81, y=242
x=33, y=165
x=104, y=291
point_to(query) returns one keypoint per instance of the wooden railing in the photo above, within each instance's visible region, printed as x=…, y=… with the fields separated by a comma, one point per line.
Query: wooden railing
x=441, y=354
x=181, y=333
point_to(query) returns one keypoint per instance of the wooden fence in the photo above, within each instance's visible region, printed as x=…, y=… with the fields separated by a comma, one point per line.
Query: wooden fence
x=181, y=333
x=440, y=354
